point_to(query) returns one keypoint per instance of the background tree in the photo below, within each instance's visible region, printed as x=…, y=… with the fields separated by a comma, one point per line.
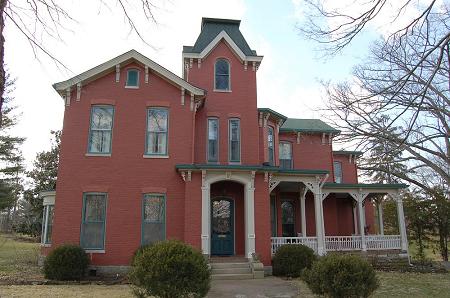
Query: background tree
x=440, y=218
x=36, y=20
x=11, y=161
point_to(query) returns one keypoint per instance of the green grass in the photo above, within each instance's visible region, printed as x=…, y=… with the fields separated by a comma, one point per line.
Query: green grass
x=18, y=258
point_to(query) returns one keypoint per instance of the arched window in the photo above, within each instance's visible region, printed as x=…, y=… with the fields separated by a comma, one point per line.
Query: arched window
x=222, y=75
x=287, y=219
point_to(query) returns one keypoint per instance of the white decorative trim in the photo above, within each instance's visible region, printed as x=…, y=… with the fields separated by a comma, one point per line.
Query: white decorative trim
x=146, y=74
x=155, y=156
x=98, y=154
x=228, y=175
x=94, y=251
x=261, y=119
x=323, y=138
x=266, y=176
x=78, y=91
x=93, y=73
x=254, y=66
x=117, y=73
x=245, y=65
x=330, y=138
x=266, y=118
x=192, y=102
x=230, y=42
x=298, y=137
x=68, y=96
x=191, y=62
x=199, y=63
x=182, y=96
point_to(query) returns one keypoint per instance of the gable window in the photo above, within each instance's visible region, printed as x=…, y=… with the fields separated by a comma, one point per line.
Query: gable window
x=287, y=219
x=270, y=145
x=285, y=155
x=234, y=146
x=157, y=129
x=153, y=218
x=100, y=132
x=213, y=140
x=222, y=75
x=93, y=221
x=47, y=224
x=337, y=171
x=132, y=78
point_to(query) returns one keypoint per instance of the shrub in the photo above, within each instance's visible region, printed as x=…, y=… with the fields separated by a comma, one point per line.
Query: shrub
x=291, y=259
x=341, y=276
x=66, y=262
x=169, y=269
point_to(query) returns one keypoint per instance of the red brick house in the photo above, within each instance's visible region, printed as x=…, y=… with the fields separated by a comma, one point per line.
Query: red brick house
x=147, y=155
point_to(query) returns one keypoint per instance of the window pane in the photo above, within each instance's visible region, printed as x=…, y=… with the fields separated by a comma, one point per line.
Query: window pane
x=222, y=82
x=102, y=118
x=222, y=67
x=132, y=77
x=48, y=236
x=285, y=151
x=213, y=132
x=154, y=208
x=212, y=129
x=270, y=144
x=337, y=172
x=222, y=75
x=157, y=120
x=94, y=208
x=234, y=145
x=153, y=222
x=93, y=235
x=157, y=143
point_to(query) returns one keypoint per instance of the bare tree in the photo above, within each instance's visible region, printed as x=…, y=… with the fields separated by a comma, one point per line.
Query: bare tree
x=37, y=19
x=400, y=96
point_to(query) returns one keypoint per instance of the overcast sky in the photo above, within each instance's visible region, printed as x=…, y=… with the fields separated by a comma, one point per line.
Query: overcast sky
x=287, y=79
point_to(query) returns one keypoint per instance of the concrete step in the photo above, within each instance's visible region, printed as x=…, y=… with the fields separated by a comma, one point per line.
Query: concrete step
x=229, y=265
x=231, y=276
x=232, y=271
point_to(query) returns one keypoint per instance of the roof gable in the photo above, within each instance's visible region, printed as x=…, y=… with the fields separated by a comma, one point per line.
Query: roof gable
x=124, y=59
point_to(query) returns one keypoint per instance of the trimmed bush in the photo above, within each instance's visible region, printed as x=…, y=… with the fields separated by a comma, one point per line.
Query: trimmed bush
x=341, y=276
x=66, y=262
x=169, y=269
x=291, y=259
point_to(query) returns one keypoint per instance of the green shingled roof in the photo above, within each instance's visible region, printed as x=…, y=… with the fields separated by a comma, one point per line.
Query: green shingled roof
x=307, y=125
x=211, y=28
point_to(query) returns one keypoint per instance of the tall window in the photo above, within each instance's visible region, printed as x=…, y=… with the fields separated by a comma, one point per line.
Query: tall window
x=213, y=139
x=285, y=153
x=153, y=218
x=93, y=221
x=47, y=224
x=100, y=134
x=222, y=75
x=132, y=78
x=337, y=171
x=270, y=144
x=287, y=219
x=157, y=124
x=234, y=146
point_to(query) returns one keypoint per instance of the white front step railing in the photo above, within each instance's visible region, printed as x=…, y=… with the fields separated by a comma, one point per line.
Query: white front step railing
x=342, y=243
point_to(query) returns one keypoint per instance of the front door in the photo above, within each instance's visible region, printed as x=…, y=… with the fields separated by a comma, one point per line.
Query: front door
x=222, y=227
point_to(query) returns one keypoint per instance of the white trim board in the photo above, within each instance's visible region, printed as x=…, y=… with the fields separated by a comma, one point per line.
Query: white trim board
x=110, y=65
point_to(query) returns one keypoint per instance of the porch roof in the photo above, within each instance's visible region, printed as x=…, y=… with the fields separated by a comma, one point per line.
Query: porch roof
x=364, y=186
x=258, y=168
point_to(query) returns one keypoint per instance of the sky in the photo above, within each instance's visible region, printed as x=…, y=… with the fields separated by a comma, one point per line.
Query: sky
x=288, y=78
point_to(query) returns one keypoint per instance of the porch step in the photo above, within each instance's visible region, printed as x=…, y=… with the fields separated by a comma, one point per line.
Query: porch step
x=229, y=265
x=243, y=270
x=231, y=276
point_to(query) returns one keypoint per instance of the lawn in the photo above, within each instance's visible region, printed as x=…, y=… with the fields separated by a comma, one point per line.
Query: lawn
x=18, y=258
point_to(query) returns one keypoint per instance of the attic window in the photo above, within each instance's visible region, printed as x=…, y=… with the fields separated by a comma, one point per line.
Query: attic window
x=222, y=75
x=132, y=78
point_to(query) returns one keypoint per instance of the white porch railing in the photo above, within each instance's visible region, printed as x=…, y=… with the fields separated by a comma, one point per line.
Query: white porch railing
x=311, y=242
x=382, y=242
x=342, y=243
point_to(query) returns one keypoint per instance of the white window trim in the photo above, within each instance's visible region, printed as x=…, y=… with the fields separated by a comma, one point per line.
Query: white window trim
x=138, y=77
x=155, y=156
x=229, y=142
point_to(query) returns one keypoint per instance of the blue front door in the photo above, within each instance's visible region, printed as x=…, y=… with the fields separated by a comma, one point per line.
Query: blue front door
x=222, y=227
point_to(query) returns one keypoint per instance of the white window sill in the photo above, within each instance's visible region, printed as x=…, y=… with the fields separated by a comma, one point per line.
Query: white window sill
x=94, y=251
x=225, y=91
x=132, y=87
x=46, y=245
x=98, y=154
x=155, y=156
x=234, y=162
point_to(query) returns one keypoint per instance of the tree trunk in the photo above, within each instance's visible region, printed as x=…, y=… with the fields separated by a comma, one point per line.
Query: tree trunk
x=2, y=56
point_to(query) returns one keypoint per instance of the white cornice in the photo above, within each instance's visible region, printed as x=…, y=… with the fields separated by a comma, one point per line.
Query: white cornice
x=110, y=65
x=230, y=42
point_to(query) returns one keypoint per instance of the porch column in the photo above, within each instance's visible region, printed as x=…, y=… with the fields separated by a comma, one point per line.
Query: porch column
x=250, y=218
x=361, y=223
x=319, y=222
x=206, y=209
x=380, y=217
x=303, y=211
x=355, y=219
x=401, y=222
